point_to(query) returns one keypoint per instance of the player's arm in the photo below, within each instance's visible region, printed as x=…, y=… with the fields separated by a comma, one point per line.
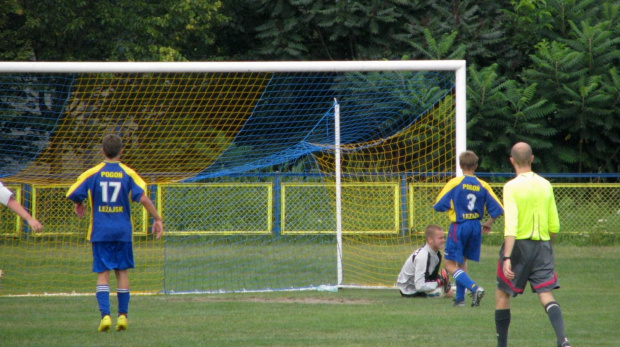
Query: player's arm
x=511, y=222
x=486, y=226
x=19, y=210
x=553, y=218
x=443, y=202
x=78, y=192
x=158, y=224
x=79, y=209
x=509, y=242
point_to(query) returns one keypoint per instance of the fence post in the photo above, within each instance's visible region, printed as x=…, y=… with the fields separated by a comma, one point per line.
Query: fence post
x=276, y=205
x=404, y=230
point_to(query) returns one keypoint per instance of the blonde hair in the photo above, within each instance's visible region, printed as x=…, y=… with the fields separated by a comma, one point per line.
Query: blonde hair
x=430, y=230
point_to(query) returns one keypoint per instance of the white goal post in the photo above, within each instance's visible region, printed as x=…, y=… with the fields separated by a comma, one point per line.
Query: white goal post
x=457, y=67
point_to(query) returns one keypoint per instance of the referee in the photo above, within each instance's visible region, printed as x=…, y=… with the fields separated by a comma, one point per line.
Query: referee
x=531, y=224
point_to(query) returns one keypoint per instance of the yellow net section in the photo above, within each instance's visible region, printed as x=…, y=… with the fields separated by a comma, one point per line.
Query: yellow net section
x=254, y=154
x=173, y=125
x=379, y=230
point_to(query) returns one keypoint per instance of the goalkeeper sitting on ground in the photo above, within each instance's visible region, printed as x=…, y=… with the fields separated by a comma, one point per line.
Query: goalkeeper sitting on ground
x=421, y=275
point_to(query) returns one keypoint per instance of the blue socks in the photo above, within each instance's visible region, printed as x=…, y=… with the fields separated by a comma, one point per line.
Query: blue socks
x=103, y=299
x=463, y=282
x=123, y=300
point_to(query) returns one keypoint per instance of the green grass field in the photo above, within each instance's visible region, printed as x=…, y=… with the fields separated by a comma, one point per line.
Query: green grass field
x=352, y=317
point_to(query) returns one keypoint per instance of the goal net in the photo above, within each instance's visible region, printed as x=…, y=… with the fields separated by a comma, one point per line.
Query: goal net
x=268, y=175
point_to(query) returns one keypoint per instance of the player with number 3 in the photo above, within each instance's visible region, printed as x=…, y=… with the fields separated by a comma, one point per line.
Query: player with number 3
x=109, y=189
x=466, y=198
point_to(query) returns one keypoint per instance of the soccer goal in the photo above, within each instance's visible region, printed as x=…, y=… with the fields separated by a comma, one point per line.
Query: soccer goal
x=268, y=175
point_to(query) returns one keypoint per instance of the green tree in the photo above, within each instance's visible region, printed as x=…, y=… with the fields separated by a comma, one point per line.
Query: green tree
x=68, y=30
x=332, y=30
x=478, y=25
x=442, y=49
x=502, y=112
x=578, y=75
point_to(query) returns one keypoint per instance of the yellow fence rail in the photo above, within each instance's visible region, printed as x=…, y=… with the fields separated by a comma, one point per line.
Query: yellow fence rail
x=302, y=208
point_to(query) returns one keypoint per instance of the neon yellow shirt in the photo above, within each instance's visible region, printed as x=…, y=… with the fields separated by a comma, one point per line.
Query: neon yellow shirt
x=530, y=211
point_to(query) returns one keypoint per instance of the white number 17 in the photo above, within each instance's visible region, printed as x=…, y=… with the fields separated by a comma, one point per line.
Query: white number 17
x=104, y=191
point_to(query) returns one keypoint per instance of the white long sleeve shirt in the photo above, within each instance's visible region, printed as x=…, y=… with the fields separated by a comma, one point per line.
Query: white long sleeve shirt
x=5, y=194
x=419, y=273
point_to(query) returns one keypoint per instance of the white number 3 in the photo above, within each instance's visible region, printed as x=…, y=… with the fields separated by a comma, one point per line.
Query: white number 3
x=472, y=201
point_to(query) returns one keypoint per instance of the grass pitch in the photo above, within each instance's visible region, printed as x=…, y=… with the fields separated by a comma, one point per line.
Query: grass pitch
x=350, y=317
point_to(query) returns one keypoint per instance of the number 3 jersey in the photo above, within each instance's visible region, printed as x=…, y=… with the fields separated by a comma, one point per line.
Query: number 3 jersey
x=466, y=198
x=109, y=188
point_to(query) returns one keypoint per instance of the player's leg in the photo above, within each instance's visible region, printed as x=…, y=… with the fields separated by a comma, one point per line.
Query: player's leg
x=459, y=294
x=453, y=252
x=543, y=280
x=464, y=233
x=554, y=312
x=125, y=262
x=509, y=287
x=502, y=317
x=101, y=255
x=103, y=300
x=472, y=241
x=122, y=293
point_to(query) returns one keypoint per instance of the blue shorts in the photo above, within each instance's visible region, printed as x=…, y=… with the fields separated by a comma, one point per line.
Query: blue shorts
x=464, y=240
x=112, y=255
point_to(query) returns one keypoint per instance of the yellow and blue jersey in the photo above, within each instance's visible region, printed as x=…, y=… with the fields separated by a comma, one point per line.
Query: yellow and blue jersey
x=466, y=198
x=109, y=189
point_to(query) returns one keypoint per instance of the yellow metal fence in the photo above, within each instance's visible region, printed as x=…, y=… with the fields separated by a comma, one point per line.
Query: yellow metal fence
x=302, y=208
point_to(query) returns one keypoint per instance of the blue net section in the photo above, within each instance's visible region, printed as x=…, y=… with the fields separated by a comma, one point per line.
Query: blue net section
x=294, y=116
x=241, y=167
x=30, y=107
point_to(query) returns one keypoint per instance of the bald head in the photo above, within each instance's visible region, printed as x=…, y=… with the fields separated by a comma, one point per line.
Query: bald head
x=521, y=154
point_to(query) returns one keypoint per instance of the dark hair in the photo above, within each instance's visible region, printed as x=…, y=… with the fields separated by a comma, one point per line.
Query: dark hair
x=112, y=145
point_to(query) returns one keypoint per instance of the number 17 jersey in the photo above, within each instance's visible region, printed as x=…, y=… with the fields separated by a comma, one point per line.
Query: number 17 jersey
x=109, y=188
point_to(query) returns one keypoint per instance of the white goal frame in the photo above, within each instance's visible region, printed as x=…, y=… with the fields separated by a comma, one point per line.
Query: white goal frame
x=457, y=66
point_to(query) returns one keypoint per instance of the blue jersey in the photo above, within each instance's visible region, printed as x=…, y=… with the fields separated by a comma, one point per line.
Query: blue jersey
x=466, y=198
x=109, y=187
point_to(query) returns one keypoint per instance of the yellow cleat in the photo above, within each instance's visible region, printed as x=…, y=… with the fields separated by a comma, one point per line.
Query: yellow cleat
x=121, y=323
x=106, y=323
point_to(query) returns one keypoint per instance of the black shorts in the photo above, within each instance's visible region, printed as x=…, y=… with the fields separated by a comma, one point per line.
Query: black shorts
x=531, y=261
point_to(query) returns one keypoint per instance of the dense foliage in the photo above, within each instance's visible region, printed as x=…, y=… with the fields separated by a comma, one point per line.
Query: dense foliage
x=544, y=71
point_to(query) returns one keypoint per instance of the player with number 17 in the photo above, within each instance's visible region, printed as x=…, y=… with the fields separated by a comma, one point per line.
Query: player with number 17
x=109, y=188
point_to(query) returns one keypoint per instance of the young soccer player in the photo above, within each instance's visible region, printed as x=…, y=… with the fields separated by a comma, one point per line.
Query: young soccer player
x=109, y=188
x=466, y=198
